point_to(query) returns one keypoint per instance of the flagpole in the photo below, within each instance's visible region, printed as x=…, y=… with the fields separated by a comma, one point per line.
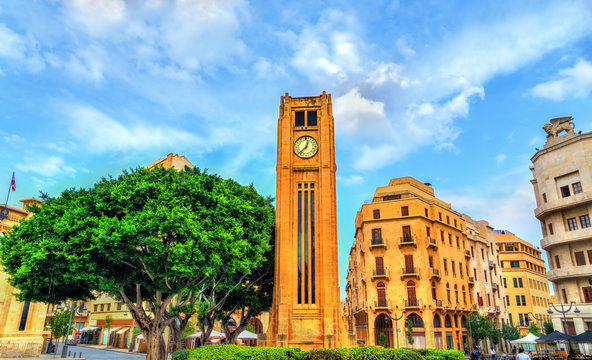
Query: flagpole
x=4, y=212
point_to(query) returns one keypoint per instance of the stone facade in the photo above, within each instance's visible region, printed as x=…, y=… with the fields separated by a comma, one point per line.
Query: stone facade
x=305, y=311
x=524, y=280
x=562, y=181
x=21, y=323
x=409, y=260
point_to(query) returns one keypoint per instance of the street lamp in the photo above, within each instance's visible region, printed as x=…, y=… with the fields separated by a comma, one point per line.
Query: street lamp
x=131, y=344
x=540, y=320
x=564, y=311
x=79, y=308
x=396, y=326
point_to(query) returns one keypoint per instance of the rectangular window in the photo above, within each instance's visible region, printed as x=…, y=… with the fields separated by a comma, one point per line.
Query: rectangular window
x=515, y=264
x=391, y=197
x=544, y=197
x=564, y=191
x=24, y=315
x=407, y=233
x=505, y=284
x=404, y=211
x=299, y=118
x=572, y=224
x=102, y=307
x=426, y=212
x=518, y=300
x=580, y=258
x=550, y=229
x=585, y=221
x=587, y=294
x=564, y=295
x=557, y=263
x=577, y=187
x=431, y=261
x=454, y=222
x=442, y=235
x=485, y=275
x=453, y=266
x=96, y=308
x=311, y=118
x=450, y=239
x=376, y=235
x=118, y=306
x=445, y=265
x=427, y=231
x=447, y=219
x=515, y=281
x=520, y=282
x=482, y=254
x=590, y=258
x=507, y=300
x=523, y=300
x=376, y=214
x=440, y=216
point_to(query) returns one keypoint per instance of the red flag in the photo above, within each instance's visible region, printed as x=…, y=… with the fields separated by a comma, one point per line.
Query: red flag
x=13, y=183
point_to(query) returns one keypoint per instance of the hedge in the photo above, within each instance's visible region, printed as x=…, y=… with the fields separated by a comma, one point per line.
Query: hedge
x=234, y=352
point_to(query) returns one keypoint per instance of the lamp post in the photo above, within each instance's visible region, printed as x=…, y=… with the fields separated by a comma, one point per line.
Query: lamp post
x=540, y=320
x=72, y=310
x=396, y=326
x=564, y=311
x=131, y=344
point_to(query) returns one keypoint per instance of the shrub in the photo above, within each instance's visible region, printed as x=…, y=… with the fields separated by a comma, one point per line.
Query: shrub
x=182, y=354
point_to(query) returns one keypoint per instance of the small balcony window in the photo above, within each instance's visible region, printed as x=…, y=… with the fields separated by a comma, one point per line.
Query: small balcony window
x=564, y=191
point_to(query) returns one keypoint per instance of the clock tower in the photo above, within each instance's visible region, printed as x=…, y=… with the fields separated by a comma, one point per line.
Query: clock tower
x=305, y=311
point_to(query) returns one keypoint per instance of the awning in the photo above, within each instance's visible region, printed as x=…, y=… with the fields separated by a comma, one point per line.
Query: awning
x=245, y=334
x=122, y=330
x=89, y=328
x=213, y=334
x=112, y=330
x=554, y=336
x=585, y=337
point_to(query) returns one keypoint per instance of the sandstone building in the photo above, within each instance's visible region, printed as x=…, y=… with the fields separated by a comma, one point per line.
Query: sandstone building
x=562, y=181
x=21, y=323
x=524, y=281
x=410, y=260
x=305, y=311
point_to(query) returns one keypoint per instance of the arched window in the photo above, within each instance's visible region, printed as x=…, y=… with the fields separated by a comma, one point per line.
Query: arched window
x=464, y=294
x=411, y=297
x=448, y=292
x=416, y=320
x=437, y=322
x=433, y=290
x=381, y=292
x=447, y=321
x=456, y=292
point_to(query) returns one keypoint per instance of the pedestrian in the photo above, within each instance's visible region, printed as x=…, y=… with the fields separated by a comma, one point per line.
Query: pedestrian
x=521, y=355
x=475, y=354
x=514, y=350
x=492, y=353
x=505, y=356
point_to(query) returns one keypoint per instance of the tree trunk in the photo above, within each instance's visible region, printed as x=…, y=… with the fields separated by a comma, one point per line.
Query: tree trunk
x=156, y=346
x=177, y=333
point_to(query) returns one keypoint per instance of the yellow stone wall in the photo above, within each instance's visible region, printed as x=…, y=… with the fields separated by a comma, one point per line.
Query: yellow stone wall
x=531, y=280
x=365, y=312
x=11, y=310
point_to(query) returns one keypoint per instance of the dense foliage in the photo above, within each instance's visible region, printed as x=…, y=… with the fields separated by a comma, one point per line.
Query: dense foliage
x=534, y=329
x=359, y=353
x=548, y=327
x=149, y=238
x=510, y=332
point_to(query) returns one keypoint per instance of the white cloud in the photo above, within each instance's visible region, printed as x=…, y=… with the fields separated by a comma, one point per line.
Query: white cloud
x=46, y=165
x=352, y=179
x=356, y=114
x=99, y=133
x=574, y=82
x=97, y=16
x=500, y=158
x=19, y=50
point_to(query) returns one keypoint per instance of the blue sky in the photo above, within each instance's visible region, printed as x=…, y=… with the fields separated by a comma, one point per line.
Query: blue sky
x=452, y=93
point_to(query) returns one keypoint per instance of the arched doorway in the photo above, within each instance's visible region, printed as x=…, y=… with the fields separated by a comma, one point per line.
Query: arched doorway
x=419, y=340
x=448, y=326
x=257, y=325
x=438, y=331
x=383, y=325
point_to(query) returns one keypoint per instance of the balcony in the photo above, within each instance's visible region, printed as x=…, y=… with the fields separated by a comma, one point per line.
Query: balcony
x=561, y=238
x=468, y=254
x=382, y=304
x=377, y=243
x=474, y=307
x=497, y=309
x=409, y=272
x=380, y=274
x=412, y=304
x=471, y=280
x=567, y=272
x=563, y=203
x=432, y=243
x=407, y=241
x=494, y=286
x=491, y=264
x=435, y=273
x=439, y=304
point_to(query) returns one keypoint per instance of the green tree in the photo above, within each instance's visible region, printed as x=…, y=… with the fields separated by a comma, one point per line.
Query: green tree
x=409, y=331
x=382, y=339
x=108, y=320
x=548, y=327
x=510, y=332
x=59, y=324
x=189, y=329
x=149, y=238
x=534, y=329
x=480, y=326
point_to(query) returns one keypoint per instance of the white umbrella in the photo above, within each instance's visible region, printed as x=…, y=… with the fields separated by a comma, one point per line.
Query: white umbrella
x=246, y=334
x=213, y=334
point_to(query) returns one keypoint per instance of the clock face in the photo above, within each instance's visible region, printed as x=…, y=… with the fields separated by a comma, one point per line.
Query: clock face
x=306, y=146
